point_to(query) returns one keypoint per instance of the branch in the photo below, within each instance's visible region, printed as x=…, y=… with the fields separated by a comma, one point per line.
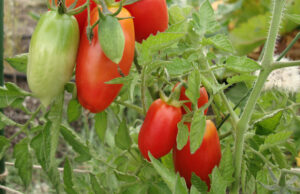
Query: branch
x=279, y=65
x=9, y=189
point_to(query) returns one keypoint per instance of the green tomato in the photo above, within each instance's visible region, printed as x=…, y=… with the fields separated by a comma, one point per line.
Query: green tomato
x=52, y=55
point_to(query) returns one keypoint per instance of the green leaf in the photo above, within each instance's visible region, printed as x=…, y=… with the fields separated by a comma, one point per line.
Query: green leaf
x=226, y=165
x=111, y=38
x=241, y=64
x=23, y=161
x=4, y=145
x=194, y=190
x=250, y=186
x=77, y=144
x=192, y=92
x=74, y=110
x=241, y=78
x=276, y=139
x=11, y=93
x=198, y=127
x=68, y=176
x=182, y=136
x=167, y=161
x=42, y=147
x=178, y=14
x=121, y=80
x=168, y=176
x=218, y=183
x=122, y=138
x=198, y=183
x=222, y=42
x=95, y=185
x=101, y=124
x=268, y=123
x=279, y=157
x=19, y=62
x=294, y=17
x=180, y=185
x=178, y=67
x=205, y=20
x=5, y=121
x=261, y=177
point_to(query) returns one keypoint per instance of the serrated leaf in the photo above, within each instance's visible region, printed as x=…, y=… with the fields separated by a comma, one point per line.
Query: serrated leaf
x=180, y=186
x=74, y=110
x=167, y=161
x=218, y=183
x=182, y=136
x=77, y=144
x=241, y=64
x=5, y=121
x=18, y=62
x=95, y=185
x=192, y=92
x=250, y=186
x=194, y=190
x=276, y=139
x=198, y=127
x=41, y=144
x=279, y=157
x=122, y=138
x=68, y=176
x=268, y=123
x=4, y=145
x=199, y=184
x=205, y=20
x=168, y=176
x=121, y=80
x=294, y=17
x=111, y=38
x=177, y=13
x=178, y=67
x=23, y=161
x=10, y=93
x=101, y=124
x=241, y=78
x=222, y=42
x=226, y=165
x=261, y=177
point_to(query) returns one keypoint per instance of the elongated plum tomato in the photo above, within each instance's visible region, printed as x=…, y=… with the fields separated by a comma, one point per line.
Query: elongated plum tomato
x=94, y=68
x=150, y=16
x=203, y=161
x=82, y=16
x=159, y=130
x=52, y=55
x=202, y=100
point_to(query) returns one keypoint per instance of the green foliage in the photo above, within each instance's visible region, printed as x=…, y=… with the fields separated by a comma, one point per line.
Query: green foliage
x=198, y=127
x=68, y=175
x=19, y=62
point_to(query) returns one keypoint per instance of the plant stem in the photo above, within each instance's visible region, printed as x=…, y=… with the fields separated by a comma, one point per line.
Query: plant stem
x=267, y=60
x=261, y=156
x=2, y=161
x=278, y=65
x=132, y=106
x=143, y=89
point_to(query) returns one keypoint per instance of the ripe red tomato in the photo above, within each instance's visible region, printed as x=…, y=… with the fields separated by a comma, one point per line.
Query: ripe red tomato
x=159, y=130
x=81, y=17
x=150, y=16
x=203, y=161
x=94, y=68
x=203, y=99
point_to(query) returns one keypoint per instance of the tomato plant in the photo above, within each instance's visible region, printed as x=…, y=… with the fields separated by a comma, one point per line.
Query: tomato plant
x=82, y=16
x=203, y=161
x=94, y=68
x=159, y=130
x=52, y=55
x=150, y=17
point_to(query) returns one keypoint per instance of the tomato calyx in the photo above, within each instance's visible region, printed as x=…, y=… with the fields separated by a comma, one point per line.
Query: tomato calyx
x=170, y=100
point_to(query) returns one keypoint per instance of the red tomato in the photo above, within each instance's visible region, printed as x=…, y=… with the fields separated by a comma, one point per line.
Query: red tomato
x=81, y=17
x=94, y=68
x=203, y=161
x=203, y=99
x=150, y=16
x=159, y=130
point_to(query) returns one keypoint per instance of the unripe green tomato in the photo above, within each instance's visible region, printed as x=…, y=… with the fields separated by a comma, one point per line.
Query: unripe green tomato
x=52, y=55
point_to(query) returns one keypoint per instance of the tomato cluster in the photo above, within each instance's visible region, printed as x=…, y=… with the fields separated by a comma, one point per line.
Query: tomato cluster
x=64, y=36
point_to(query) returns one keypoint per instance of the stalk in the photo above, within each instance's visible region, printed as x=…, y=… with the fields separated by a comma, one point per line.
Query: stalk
x=2, y=162
x=267, y=61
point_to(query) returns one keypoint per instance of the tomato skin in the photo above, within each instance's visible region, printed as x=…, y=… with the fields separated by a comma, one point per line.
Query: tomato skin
x=94, y=68
x=203, y=161
x=81, y=17
x=52, y=55
x=150, y=16
x=203, y=99
x=159, y=130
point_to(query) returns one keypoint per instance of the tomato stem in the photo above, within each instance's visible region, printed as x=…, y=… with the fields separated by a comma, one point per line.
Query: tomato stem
x=61, y=7
x=289, y=47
